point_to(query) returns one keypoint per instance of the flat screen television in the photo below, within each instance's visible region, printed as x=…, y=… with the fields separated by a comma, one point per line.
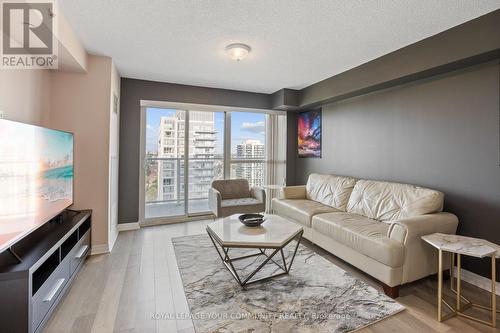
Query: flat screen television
x=36, y=178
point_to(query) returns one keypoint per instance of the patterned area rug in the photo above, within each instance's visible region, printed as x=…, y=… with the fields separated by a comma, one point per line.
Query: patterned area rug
x=316, y=296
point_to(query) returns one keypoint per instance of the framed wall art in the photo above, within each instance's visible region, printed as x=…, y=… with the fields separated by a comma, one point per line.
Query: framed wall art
x=309, y=133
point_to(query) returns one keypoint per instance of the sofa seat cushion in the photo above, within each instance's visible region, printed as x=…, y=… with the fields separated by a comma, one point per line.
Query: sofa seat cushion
x=239, y=202
x=300, y=210
x=362, y=234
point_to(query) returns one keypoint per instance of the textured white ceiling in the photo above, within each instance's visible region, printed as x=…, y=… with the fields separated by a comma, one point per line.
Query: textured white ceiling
x=294, y=43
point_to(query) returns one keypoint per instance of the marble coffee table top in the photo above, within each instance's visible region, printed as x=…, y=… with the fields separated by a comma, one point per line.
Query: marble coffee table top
x=273, y=233
x=470, y=246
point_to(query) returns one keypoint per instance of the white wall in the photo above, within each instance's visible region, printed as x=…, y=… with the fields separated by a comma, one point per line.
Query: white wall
x=25, y=95
x=77, y=98
x=114, y=138
x=72, y=55
x=81, y=104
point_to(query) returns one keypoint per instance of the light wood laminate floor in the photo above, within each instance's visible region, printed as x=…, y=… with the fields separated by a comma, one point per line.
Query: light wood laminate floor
x=120, y=291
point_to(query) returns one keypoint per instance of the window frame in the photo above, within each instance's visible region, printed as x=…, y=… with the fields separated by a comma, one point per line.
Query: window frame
x=227, y=159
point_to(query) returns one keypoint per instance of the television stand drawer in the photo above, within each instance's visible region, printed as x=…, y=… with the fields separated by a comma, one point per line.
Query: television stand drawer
x=48, y=292
x=79, y=252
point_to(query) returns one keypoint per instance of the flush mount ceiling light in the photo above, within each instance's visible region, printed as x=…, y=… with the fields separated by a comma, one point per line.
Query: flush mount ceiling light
x=237, y=51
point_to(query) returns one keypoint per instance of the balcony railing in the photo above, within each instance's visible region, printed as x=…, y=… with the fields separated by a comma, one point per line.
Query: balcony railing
x=201, y=174
x=173, y=202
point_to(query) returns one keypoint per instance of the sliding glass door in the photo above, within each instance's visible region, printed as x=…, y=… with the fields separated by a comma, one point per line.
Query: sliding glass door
x=164, y=163
x=185, y=150
x=184, y=154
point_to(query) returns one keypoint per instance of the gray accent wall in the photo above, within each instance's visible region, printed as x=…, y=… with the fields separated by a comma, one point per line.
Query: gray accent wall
x=132, y=92
x=441, y=133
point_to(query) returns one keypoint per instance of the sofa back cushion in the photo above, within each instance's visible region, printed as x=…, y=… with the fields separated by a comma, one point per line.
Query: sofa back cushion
x=232, y=188
x=388, y=202
x=330, y=190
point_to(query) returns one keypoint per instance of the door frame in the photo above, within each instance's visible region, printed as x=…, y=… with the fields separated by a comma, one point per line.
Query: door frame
x=144, y=104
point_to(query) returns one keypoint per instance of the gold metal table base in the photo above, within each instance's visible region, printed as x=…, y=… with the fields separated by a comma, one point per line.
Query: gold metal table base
x=459, y=308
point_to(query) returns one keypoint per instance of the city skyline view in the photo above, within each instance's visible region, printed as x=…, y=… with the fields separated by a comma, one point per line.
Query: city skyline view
x=244, y=126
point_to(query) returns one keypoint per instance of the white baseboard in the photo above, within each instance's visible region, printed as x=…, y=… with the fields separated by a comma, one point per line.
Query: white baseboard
x=478, y=281
x=128, y=226
x=113, y=237
x=99, y=249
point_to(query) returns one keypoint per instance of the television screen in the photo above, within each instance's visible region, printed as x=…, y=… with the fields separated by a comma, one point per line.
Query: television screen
x=36, y=178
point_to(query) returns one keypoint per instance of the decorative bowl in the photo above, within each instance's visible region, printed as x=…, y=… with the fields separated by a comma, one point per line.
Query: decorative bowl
x=251, y=220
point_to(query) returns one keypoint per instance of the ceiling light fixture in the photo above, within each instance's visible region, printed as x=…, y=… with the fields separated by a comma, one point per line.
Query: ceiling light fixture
x=237, y=51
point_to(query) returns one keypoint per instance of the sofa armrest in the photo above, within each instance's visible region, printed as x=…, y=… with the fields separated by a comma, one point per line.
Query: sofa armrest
x=214, y=201
x=294, y=192
x=411, y=229
x=258, y=193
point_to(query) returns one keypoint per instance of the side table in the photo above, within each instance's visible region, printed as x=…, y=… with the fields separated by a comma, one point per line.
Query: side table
x=270, y=194
x=461, y=245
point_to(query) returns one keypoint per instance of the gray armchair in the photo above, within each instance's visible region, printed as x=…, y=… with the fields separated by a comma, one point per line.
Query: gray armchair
x=234, y=196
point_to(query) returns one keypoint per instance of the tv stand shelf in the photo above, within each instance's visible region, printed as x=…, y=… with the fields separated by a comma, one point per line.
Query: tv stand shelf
x=49, y=257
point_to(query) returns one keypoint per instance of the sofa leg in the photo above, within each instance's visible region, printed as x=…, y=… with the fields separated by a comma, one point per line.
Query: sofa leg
x=392, y=292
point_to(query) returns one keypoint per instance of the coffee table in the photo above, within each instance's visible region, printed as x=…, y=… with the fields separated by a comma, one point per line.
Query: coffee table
x=274, y=234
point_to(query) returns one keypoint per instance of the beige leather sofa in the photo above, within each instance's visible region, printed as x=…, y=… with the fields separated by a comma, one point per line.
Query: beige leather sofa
x=234, y=196
x=375, y=226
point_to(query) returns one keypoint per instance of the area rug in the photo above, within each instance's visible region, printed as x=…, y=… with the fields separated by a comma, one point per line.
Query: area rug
x=316, y=296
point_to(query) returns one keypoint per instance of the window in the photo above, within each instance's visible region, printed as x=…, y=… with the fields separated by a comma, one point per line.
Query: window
x=180, y=170
x=248, y=142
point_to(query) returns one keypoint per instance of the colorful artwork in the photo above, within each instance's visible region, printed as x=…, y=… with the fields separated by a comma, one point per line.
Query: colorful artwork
x=36, y=178
x=309, y=134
